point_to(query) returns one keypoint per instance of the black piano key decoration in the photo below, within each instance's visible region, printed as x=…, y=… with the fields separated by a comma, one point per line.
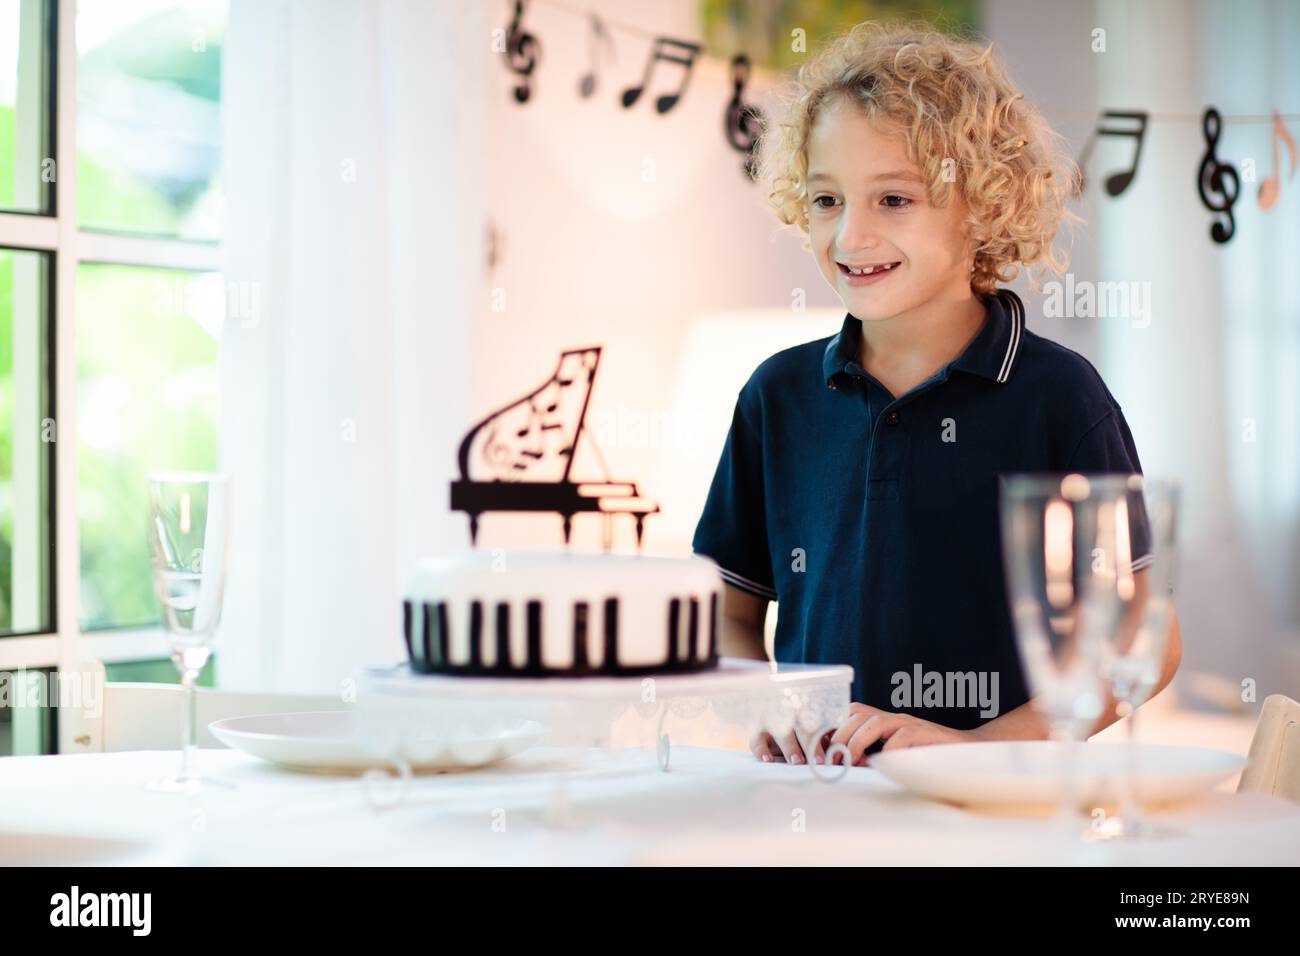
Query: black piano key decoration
x=692, y=641
x=610, y=657
x=674, y=617
x=713, y=622
x=442, y=634
x=476, y=634
x=503, y=636
x=406, y=630
x=534, y=634
x=580, y=635
x=691, y=644
x=520, y=457
x=425, y=634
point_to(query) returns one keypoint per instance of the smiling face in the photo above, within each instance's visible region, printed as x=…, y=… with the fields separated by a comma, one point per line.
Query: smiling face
x=869, y=207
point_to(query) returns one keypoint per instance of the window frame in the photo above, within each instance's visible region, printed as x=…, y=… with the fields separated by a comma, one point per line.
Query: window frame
x=58, y=234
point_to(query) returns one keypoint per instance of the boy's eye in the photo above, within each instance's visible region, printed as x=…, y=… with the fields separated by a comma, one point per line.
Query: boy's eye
x=890, y=201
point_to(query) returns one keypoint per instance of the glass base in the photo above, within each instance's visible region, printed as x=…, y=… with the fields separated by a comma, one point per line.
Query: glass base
x=1117, y=828
x=187, y=784
x=177, y=784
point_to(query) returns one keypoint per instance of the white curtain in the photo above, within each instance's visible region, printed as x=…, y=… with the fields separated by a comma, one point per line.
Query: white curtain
x=352, y=255
x=1212, y=386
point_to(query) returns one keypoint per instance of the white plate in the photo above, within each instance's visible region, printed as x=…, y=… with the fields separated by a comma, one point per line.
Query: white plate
x=325, y=741
x=1025, y=773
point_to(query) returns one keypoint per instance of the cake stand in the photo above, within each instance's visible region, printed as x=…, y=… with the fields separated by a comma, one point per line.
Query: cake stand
x=398, y=710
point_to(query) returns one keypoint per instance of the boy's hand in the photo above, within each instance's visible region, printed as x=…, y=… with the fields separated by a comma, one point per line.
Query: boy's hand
x=785, y=747
x=865, y=725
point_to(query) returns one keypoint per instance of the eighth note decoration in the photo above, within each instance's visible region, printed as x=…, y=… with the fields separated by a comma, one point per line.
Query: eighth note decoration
x=1114, y=123
x=678, y=52
x=1270, y=187
x=519, y=457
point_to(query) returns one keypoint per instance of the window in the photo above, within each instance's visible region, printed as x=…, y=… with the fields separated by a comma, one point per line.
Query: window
x=27, y=169
x=26, y=716
x=26, y=429
x=146, y=396
x=111, y=307
x=148, y=116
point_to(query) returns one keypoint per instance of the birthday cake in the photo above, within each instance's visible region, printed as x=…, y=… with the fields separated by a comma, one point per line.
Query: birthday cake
x=560, y=613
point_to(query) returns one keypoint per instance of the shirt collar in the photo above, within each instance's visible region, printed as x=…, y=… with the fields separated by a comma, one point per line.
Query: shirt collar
x=992, y=353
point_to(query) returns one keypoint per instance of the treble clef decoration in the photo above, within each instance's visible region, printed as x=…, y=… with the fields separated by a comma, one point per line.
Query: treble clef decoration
x=523, y=51
x=1217, y=178
x=744, y=123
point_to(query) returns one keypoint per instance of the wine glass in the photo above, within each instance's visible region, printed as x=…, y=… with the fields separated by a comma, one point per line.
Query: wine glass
x=1057, y=532
x=1133, y=658
x=189, y=526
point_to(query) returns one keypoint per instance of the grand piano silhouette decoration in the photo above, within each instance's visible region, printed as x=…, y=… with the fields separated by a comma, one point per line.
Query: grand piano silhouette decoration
x=519, y=458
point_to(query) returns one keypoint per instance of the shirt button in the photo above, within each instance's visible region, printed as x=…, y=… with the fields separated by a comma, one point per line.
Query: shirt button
x=893, y=418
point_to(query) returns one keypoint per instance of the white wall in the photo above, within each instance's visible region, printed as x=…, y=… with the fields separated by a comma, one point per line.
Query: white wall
x=354, y=183
x=1223, y=343
x=595, y=255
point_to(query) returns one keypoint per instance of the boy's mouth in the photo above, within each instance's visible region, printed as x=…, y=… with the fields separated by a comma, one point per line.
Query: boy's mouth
x=866, y=273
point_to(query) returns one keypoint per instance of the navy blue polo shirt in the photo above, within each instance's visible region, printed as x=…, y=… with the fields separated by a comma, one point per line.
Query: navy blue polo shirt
x=873, y=520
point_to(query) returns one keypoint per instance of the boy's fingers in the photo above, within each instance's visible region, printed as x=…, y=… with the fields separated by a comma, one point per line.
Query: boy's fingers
x=789, y=745
x=820, y=747
x=763, y=746
x=906, y=736
x=846, y=730
x=871, y=730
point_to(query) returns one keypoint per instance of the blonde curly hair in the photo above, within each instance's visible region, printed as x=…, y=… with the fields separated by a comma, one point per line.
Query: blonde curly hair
x=953, y=99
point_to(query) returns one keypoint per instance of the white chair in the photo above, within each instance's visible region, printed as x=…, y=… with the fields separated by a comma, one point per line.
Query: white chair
x=137, y=716
x=1273, y=765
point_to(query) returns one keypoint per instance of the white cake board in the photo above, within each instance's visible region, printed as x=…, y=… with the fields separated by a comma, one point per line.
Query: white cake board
x=395, y=705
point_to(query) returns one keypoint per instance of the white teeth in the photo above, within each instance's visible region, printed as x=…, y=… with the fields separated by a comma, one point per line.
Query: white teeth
x=870, y=269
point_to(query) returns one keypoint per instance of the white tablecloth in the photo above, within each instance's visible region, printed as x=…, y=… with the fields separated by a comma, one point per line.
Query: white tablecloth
x=552, y=806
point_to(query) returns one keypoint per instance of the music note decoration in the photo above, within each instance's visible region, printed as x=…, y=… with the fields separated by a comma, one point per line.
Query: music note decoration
x=522, y=53
x=1116, y=183
x=519, y=457
x=1217, y=178
x=1270, y=188
x=744, y=123
x=679, y=52
x=597, y=36
x=1218, y=183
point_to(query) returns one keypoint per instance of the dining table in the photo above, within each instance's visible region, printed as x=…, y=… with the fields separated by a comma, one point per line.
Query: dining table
x=554, y=805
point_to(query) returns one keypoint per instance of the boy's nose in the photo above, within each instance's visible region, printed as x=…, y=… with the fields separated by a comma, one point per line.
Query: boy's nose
x=858, y=235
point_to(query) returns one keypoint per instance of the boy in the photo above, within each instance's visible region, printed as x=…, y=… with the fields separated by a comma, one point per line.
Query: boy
x=858, y=484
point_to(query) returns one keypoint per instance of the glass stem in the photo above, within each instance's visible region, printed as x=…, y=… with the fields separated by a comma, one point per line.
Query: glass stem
x=1129, y=809
x=1068, y=811
x=188, y=678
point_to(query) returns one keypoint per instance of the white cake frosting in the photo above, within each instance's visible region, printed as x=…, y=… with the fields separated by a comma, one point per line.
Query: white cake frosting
x=538, y=613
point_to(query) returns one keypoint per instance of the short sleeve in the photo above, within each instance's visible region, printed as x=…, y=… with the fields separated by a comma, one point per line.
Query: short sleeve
x=732, y=529
x=1107, y=447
